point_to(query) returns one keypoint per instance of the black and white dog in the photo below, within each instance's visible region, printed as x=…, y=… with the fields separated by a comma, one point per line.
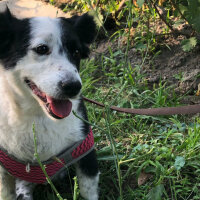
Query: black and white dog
x=40, y=84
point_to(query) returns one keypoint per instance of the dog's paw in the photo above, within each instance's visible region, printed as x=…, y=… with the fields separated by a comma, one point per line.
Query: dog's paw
x=89, y=186
x=24, y=190
x=24, y=197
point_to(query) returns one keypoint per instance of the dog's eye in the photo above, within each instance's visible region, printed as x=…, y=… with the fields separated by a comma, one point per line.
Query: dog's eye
x=42, y=49
x=77, y=54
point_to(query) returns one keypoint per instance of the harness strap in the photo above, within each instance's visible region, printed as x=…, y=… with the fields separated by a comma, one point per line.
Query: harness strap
x=34, y=174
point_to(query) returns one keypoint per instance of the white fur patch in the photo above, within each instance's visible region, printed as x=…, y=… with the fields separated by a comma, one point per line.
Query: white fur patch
x=88, y=185
x=24, y=188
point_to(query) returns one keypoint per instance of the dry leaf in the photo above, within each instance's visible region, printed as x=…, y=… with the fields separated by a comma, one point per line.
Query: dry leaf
x=143, y=178
x=198, y=91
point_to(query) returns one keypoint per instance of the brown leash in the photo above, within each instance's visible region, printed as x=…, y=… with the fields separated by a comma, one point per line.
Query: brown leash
x=180, y=110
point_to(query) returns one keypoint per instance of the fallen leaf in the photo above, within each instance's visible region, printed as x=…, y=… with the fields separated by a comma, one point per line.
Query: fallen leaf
x=143, y=178
x=198, y=91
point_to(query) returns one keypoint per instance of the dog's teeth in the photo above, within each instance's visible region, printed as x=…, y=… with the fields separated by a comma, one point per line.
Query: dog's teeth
x=47, y=107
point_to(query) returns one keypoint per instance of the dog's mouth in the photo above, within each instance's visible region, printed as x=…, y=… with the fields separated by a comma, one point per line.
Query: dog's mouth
x=57, y=108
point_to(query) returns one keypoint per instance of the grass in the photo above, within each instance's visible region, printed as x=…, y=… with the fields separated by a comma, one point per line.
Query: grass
x=140, y=157
x=165, y=149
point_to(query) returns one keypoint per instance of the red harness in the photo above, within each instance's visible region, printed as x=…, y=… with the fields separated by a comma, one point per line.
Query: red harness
x=34, y=174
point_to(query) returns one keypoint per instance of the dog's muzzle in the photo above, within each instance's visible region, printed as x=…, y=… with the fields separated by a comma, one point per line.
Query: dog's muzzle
x=60, y=106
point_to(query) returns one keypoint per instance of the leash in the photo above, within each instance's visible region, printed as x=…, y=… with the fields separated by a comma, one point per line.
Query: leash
x=180, y=110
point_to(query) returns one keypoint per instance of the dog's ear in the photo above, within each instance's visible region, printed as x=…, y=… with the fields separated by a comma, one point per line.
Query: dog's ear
x=85, y=27
x=6, y=31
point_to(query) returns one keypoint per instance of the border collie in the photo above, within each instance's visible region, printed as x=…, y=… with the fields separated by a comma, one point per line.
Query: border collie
x=40, y=84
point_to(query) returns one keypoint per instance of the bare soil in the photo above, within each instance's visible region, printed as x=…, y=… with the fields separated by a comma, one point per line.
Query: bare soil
x=173, y=65
x=177, y=67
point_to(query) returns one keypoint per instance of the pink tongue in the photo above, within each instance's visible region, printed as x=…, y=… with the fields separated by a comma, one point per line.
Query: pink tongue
x=60, y=108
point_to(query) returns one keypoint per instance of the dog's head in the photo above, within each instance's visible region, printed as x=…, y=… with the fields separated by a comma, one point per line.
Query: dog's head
x=44, y=53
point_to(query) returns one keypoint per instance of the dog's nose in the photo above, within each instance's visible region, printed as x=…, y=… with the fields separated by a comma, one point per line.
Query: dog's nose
x=70, y=88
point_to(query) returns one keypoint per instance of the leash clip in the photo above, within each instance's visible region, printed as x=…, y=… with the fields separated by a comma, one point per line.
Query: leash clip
x=28, y=169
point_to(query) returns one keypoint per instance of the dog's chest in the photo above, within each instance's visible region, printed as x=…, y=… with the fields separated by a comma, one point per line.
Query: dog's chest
x=52, y=137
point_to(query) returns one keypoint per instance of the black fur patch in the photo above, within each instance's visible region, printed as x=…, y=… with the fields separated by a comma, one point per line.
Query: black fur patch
x=89, y=164
x=85, y=27
x=14, y=39
x=78, y=32
x=82, y=109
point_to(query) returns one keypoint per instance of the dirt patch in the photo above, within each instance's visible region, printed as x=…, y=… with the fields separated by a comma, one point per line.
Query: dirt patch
x=31, y=8
x=58, y=3
x=177, y=67
x=172, y=65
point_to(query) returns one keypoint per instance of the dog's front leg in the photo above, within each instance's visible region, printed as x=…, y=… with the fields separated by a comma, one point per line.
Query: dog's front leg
x=24, y=190
x=7, y=186
x=88, y=176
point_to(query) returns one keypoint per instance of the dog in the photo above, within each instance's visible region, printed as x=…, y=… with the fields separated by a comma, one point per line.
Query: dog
x=40, y=84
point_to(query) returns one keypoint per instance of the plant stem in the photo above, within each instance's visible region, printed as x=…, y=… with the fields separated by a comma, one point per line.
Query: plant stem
x=161, y=17
x=75, y=197
x=43, y=166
